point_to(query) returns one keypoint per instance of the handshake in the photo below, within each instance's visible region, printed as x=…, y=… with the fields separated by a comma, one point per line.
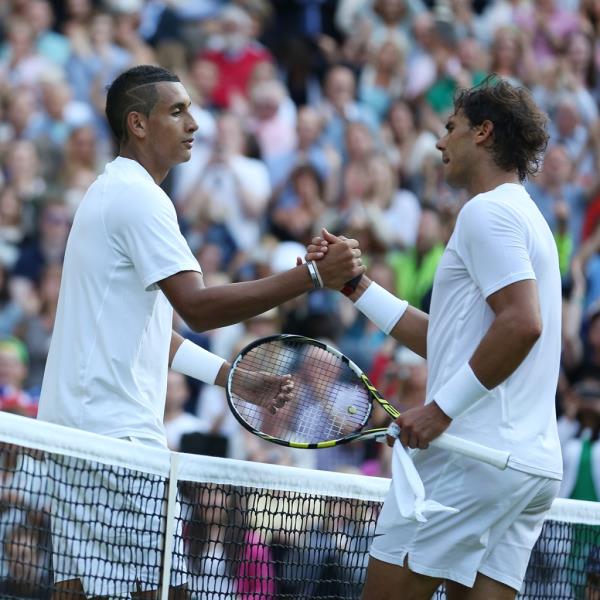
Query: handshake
x=334, y=262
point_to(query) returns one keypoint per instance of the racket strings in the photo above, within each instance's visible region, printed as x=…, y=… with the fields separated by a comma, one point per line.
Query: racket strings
x=327, y=402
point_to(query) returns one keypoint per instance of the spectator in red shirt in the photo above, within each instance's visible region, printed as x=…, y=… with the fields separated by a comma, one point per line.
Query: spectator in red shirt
x=235, y=54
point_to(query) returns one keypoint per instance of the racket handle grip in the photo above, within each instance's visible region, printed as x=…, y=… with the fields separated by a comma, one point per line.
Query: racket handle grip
x=491, y=456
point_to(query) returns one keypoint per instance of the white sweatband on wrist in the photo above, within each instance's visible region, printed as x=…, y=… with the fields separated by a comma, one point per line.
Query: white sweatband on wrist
x=460, y=392
x=381, y=307
x=193, y=360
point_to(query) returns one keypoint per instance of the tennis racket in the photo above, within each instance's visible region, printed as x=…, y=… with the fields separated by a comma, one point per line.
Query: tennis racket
x=330, y=403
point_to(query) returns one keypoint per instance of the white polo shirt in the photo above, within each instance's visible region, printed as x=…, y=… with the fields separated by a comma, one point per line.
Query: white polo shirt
x=107, y=366
x=500, y=238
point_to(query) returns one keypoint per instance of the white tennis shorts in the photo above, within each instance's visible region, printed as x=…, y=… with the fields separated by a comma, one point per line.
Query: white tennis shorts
x=107, y=527
x=500, y=517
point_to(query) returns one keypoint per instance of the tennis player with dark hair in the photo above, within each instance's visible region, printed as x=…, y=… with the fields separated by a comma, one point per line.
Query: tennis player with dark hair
x=492, y=343
x=126, y=268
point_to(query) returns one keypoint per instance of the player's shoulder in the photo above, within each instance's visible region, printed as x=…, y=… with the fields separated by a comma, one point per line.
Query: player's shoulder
x=132, y=186
x=475, y=209
x=135, y=201
x=502, y=200
x=504, y=208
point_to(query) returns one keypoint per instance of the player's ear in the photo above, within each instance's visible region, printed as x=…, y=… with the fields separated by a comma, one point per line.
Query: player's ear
x=485, y=132
x=136, y=124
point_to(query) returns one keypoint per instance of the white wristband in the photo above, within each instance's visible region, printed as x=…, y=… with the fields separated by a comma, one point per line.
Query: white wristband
x=193, y=360
x=460, y=392
x=381, y=307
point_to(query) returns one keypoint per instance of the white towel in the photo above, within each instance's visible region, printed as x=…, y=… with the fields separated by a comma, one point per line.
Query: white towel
x=409, y=489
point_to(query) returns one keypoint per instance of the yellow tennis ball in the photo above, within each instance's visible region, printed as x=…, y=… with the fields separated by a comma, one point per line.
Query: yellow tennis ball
x=352, y=409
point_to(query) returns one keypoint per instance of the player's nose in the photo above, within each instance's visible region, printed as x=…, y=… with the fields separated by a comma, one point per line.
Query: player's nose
x=192, y=125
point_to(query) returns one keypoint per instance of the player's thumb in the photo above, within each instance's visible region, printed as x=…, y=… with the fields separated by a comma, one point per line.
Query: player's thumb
x=329, y=237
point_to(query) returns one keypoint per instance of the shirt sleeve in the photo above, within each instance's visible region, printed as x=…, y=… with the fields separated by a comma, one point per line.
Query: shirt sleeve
x=491, y=241
x=145, y=229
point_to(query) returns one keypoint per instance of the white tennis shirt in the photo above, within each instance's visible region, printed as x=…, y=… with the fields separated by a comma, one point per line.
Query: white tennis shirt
x=500, y=238
x=107, y=366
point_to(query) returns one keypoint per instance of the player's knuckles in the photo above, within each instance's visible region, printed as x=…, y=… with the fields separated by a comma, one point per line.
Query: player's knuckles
x=406, y=426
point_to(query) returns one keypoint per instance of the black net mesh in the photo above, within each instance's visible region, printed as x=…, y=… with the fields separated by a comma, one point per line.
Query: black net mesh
x=253, y=544
x=67, y=517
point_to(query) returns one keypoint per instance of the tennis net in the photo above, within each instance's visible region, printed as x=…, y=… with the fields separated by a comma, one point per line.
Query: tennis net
x=123, y=518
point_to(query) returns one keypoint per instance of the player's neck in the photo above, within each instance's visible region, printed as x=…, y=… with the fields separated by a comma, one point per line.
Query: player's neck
x=489, y=179
x=158, y=172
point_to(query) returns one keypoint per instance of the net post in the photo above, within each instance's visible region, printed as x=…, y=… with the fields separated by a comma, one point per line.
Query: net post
x=169, y=527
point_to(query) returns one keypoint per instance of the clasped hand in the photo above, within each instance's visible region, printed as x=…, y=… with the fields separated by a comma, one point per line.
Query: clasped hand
x=338, y=259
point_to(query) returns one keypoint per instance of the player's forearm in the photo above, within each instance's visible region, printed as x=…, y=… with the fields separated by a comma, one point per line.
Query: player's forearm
x=217, y=306
x=176, y=341
x=223, y=374
x=208, y=308
x=503, y=348
x=410, y=329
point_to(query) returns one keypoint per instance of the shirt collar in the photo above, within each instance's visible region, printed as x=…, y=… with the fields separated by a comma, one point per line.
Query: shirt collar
x=131, y=167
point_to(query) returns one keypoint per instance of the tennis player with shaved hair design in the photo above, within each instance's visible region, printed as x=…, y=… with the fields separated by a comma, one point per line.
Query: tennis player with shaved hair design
x=492, y=343
x=127, y=266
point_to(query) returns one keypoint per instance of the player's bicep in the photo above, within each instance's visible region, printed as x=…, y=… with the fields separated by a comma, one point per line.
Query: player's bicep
x=180, y=289
x=519, y=299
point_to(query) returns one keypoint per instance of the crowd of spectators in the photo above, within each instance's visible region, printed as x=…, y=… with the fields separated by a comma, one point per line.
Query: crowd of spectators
x=311, y=113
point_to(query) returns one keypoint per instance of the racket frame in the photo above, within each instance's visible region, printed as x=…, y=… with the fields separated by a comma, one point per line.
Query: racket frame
x=492, y=456
x=283, y=337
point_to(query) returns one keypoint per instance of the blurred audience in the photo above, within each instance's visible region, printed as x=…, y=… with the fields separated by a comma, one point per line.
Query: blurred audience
x=414, y=268
x=340, y=107
x=233, y=189
x=177, y=420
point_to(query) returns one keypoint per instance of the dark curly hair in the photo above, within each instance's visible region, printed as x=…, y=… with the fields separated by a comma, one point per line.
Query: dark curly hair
x=133, y=90
x=519, y=137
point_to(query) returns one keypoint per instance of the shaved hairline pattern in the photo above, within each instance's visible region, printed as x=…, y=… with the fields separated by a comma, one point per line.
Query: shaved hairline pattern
x=143, y=103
